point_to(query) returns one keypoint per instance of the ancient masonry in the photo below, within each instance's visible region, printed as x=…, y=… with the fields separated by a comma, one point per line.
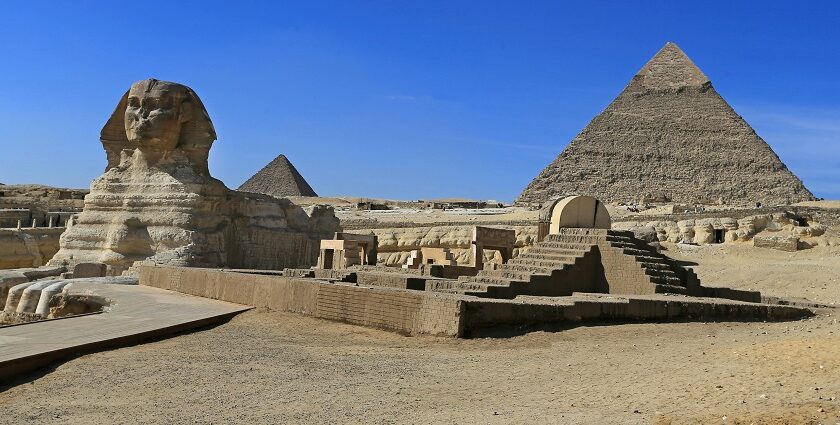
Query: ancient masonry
x=669, y=136
x=279, y=179
x=158, y=203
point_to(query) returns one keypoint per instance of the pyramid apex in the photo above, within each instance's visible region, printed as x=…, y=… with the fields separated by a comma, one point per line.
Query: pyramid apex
x=279, y=178
x=669, y=69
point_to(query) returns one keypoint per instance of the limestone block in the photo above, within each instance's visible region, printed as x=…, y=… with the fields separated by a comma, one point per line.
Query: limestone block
x=728, y=223
x=687, y=232
x=780, y=241
x=704, y=232
x=647, y=234
x=744, y=234
x=730, y=236
x=89, y=270
x=809, y=231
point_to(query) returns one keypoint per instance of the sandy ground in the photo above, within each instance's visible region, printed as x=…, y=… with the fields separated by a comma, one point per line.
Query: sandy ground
x=269, y=367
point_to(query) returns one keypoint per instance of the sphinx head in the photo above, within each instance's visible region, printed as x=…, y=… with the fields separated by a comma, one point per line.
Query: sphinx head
x=159, y=117
x=155, y=112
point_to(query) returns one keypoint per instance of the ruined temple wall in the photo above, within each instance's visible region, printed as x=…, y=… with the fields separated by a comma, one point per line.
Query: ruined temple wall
x=268, y=249
x=28, y=247
x=403, y=311
x=396, y=244
x=272, y=234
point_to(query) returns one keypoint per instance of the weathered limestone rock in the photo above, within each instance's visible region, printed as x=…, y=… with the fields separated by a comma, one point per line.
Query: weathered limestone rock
x=157, y=201
x=780, y=241
x=705, y=231
x=27, y=247
x=89, y=270
x=669, y=131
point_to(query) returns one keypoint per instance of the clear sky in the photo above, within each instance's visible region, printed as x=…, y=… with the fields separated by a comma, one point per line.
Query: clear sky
x=404, y=100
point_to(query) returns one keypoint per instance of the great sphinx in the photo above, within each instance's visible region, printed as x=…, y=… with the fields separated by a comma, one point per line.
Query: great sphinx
x=158, y=203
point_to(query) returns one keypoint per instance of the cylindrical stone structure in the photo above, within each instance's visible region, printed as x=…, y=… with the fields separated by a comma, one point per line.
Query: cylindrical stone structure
x=13, y=298
x=43, y=307
x=31, y=295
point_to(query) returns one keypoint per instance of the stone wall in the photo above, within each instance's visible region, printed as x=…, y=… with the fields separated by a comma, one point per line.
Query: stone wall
x=404, y=311
x=28, y=247
x=396, y=244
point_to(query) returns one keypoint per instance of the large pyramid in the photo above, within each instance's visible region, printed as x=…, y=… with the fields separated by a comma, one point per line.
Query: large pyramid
x=279, y=179
x=669, y=135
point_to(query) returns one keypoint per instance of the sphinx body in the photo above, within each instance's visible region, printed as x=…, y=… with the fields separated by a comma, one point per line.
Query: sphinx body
x=157, y=202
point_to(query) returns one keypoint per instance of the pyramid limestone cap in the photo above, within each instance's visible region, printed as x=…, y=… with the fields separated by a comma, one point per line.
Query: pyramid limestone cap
x=670, y=69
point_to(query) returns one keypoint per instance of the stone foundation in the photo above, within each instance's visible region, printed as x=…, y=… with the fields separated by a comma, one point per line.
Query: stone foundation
x=430, y=313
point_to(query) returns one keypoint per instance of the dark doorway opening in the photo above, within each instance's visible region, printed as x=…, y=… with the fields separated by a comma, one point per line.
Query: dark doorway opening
x=802, y=222
x=719, y=234
x=328, y=258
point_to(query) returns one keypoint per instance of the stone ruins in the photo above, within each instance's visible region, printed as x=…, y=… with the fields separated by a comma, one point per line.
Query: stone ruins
x=578, y=272
x=158, y=203
x=669, y=136
x=572, y=252
x=280, y=179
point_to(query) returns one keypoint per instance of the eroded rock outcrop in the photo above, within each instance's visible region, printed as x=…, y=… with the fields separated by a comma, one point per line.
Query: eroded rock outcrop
x=704, y=231
x=158, y=202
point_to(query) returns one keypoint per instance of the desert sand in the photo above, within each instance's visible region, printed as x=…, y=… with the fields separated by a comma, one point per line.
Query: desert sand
x=270, y=367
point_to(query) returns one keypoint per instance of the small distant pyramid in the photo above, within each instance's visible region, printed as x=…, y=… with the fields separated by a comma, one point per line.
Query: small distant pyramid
x=279, y=179
x=669, y=136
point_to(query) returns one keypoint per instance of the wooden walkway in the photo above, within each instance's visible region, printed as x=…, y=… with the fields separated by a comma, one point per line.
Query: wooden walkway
x=136, y=313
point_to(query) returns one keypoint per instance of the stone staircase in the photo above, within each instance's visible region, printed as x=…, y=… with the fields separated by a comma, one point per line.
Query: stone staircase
x=579, y=260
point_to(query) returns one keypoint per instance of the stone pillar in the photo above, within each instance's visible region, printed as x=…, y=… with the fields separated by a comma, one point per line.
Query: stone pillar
x=477, y=255
x=18, y=226
x=51, y=221
x=34, y=222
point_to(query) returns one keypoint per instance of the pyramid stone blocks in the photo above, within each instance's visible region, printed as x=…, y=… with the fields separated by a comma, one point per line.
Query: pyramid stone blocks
x=670, y=136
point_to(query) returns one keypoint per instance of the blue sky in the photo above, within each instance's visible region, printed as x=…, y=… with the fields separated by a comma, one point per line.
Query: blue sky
x=403, y=100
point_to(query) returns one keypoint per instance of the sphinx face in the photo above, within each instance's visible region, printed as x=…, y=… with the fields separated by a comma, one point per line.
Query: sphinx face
x=154, y=114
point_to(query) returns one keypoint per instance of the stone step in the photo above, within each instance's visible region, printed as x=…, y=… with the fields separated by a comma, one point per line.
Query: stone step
x=528, y=268
x=625, y=245
x=459, y=291
x=636, y=251
x=489, y=279
x=557, y=262
x=579, y=232
x=563, y=245
x=587, y=239
x=670, y=289
x=554, y=252
x=660, y=272
x=651, y=259
x=508, y=274
x=655, y=265
x=440, y=285
x=666, y=280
